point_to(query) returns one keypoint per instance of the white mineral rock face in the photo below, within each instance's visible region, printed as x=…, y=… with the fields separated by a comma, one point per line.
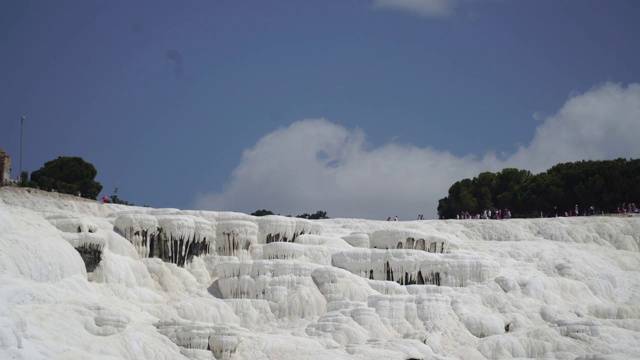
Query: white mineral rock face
x=417, y=267
x=316, y=254
x=331, y=242
x=358, y=239
x=409, y=239
x=138, y=229
x=83, y=280
x=284, y=229
x=72, y=224
x=235, y=237
x=287, y=286
x=340, y=285
x=122, y=270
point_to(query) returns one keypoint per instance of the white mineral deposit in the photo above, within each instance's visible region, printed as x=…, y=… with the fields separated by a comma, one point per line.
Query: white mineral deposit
x=84, y=280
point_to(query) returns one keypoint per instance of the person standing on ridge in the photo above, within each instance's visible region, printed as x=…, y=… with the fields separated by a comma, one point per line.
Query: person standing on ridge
x=105, y=199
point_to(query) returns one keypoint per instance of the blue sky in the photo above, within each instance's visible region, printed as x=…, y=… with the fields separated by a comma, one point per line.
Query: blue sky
x=359, y=108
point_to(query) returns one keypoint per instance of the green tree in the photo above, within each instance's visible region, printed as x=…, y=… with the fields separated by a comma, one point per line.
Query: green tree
x=116, y=200
x=540, y=193
x=68, y=175
x=262, y=212
x=484, y=188
x=461, y=198
x=507, y=183
x=318, y=215
x=605, y=185
x=24, y=180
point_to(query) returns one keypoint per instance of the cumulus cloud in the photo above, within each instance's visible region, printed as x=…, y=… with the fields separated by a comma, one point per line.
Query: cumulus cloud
x=426, y=8
x=319, y=165
x=602, y=123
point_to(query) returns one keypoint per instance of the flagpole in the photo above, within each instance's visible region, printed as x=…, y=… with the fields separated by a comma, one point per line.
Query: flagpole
x=21, y=125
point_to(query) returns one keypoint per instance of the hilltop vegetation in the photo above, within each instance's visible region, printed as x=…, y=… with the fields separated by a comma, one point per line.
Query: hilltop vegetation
x=317, y=215
x=68, y=175
x=605, y=185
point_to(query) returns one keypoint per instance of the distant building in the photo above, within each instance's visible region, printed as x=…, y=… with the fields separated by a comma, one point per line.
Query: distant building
x=5, y=168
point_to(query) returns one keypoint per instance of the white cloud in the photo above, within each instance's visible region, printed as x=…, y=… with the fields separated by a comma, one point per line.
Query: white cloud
x=318, y=165
x=602, y=123
x=426, y=8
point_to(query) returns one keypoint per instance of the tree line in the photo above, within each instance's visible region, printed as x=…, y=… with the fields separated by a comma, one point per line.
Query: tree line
x=603, y=185
x=315, y=216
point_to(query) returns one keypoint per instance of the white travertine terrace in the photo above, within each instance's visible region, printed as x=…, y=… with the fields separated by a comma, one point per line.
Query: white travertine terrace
x=358, y=239
x=285, y=285
x=331, y=242
x=166, y=234
x=72, y=224
x=417, y=267
x=284, y=229
x=235, y=237
x=340, y=285
x=409, y=239
x=316, y=254
x=84, y=280
x=137, y=228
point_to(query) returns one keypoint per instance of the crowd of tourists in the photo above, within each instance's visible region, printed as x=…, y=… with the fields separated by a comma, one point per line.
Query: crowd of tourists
x=486, y=214
x=628, y=208
x=624, y=208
